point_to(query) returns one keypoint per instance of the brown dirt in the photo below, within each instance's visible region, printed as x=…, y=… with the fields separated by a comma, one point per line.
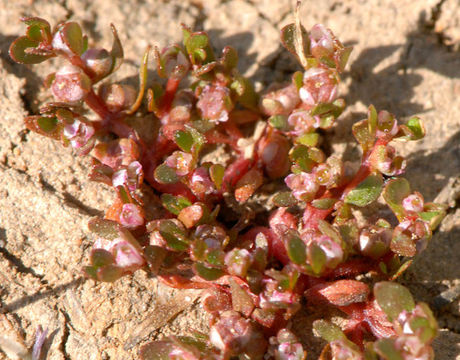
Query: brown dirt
x=405, y=60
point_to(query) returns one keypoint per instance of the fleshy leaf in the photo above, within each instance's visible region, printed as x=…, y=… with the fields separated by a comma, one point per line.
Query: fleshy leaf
x=288, y=39
x=245, y=92
x=19, y=51
x=184, y=140
x=217, y=171
x=394, y=193
x=174, y=204
x=393, y=298
x=362, y=134
x=165, y=175
x=295, y=248
x=101, y=257
x=206, y=272
x=323, y=204
x=73, y=37
x=229, y=57
x=174, y=236
x=387, y=349
x=241, y=301
x=47, y=124
x=317, y=258
x=117, y=50
x=109, y=273
x=157, y=350
x=328, y=331
x=106, y=229
x=413, y=130
x=284, y=199
x=366, y=192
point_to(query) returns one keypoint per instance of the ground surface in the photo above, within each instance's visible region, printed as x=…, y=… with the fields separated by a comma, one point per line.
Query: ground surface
x=406, y=60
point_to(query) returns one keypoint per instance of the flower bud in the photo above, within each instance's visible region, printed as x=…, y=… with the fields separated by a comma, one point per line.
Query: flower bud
x=303, y=185
x=280, y=99
x=127, y=256
x=320, y=85
x=384, y=159
x=410, y=237
x=180, y=161
x=215, y=103
x=413, y=202
x=200, y=182
x=70, y=84
x=333, y=251
x=78, y=133
x=387, y=125
x=235, y=335
x=274, y=152
x=238, y=262
x=118, y=97
x=132, y=176
x=99, y=61
x=374, y=241
x=131, y=216
x=302, y=122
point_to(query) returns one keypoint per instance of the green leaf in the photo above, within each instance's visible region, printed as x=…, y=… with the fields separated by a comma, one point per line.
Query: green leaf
x=394, y=193
x=73, y=37
x=19, y=51
x=229, y=58
x=101, y=257
x=308, y=139
x=206, y=272
x=154, y=255
x=90, y=271
x=245, y=92
x=372, y=120
x=284, y=199
x=198, y=139
x=117, y=50
x=217, y=171
x=106, y=229
x=174, y=204
x=362, y=134
x=366, y=192
x=323, y=204
x=330, y=231
x=387, y=349
x=279, y=122
x=316, y=258
x=196, y=41
x=184, y=140
x=393, y=298
x=241, y=301
x=109, y=273
x=413, y=130
x=328, y=331
x=165, y=175
x=297, y=79
x=295, y=248
x=288, y=39
x=175, y=237
x=47, y=124
x=38, y=29
x=157, y=350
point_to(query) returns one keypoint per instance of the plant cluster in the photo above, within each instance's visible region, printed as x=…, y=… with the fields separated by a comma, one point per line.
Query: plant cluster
x=274, y=224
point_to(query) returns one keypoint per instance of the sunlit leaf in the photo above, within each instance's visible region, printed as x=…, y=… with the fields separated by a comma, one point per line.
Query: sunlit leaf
x=393, y=298
x=366, y=192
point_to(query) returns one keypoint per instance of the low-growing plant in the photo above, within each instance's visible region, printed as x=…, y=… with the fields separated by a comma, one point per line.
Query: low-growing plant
x=275, y=224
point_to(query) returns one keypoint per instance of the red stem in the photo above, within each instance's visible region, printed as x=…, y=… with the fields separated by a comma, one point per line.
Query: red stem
x=168, y=96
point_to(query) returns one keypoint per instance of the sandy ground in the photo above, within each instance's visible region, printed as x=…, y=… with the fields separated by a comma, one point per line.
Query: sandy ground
x=406, y=60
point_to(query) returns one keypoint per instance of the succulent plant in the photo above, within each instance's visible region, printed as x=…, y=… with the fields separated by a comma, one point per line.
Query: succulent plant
x=259, y=253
